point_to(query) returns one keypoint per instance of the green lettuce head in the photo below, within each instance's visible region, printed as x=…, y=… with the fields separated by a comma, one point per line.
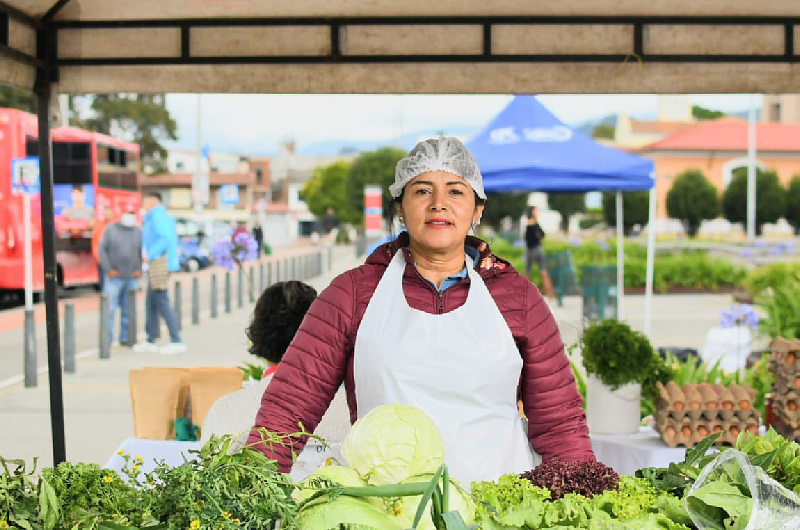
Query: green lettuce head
x=393, y=443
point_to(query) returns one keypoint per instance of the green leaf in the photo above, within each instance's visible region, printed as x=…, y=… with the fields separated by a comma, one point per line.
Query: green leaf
x=725, y=496
x=700, y=449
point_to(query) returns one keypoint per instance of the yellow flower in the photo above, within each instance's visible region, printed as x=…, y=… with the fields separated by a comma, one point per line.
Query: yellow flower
x=136, y=468
x=108, y=478
x=195, y=524
x=121, y=453
x=235, y=521
x=139, y=459
x=226, y=515
x=201, y=504
x=3, y=525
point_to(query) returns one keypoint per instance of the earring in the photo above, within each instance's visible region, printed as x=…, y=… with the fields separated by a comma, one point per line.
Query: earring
x=402, y=220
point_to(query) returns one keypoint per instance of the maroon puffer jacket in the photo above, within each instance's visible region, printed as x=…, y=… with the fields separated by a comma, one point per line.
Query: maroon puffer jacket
x=321, y=355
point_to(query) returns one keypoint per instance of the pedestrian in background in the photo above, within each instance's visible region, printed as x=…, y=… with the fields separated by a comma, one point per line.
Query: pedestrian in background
x=258, y=235
x=160, y=242
x=104, y=218
x=534, y=253
x=120, y=254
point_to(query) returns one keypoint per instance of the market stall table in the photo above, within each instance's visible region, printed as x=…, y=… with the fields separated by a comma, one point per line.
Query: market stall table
x=627, y=453
x=174, y=453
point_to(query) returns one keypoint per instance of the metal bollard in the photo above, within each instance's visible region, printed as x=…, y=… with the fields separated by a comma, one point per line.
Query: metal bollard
x=277, y=270
x=69, y=338
x=178, y=305
x=287, y=274
x=269, y=274
x=294, y=268
x=31, y=374
x=227, y=291
x=132, y=317
x=213, y=295
x=195, y=301
x=251, y=286
x=319, y=263
x=105, y=331
x=260, y=278
x=330, y=257
x=240, y=288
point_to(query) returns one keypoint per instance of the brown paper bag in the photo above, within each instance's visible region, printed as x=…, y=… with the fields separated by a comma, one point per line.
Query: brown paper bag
x=182, y=409
x=155, y=398
x=206, y=385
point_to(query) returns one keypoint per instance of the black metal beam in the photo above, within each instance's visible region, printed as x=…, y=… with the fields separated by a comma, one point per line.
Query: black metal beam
x=400, y=59
x=54, y=10
x=45, y=50
x=394, y=21
x=19, y=15
x=487, y=40
x=336, y=43
x=185, y=43
x=17, y=55
x=3, y=29
x=789, y=40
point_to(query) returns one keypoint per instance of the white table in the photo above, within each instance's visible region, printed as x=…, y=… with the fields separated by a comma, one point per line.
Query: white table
x=174, y=453
x=627, y=453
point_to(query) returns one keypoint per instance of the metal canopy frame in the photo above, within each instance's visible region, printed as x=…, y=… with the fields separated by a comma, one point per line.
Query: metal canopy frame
x=46, y=63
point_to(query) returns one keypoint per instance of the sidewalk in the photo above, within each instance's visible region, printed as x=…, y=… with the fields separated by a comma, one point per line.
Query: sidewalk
x=97, y=408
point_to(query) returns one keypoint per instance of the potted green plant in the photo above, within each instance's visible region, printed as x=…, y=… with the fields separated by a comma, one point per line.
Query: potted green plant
x=618, y=360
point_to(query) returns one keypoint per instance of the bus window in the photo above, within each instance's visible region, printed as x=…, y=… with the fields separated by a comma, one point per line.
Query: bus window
x=72, y=161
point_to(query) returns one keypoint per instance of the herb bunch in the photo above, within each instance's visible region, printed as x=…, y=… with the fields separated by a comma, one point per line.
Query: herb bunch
x=584, y=478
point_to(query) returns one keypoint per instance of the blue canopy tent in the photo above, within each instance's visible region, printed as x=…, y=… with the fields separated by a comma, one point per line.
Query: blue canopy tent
x=526, y=148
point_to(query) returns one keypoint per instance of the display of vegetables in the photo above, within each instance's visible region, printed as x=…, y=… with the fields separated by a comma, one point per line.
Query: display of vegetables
x=395, y=479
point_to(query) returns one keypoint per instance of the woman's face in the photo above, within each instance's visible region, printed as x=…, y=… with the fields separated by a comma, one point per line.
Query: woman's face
x=439, y=209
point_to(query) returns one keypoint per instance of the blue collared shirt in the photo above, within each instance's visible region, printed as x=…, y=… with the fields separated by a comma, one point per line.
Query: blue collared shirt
x=454, y=279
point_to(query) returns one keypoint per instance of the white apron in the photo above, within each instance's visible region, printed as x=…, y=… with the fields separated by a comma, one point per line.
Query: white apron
x=461, y=367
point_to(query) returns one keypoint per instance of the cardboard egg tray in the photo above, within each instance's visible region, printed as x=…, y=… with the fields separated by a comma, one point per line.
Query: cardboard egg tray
x=688, y=414
x=785, y=364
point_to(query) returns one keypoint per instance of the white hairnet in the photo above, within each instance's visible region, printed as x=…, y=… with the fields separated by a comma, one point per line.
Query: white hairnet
x=438, y=154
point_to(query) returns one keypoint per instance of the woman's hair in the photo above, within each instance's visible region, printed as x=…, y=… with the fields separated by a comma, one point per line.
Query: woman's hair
x=279, y=311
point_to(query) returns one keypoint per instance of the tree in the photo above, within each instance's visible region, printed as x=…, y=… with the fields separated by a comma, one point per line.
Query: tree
x=567, y=204
x=692, y=198
x=502, y=205
x=604, y=130
x=327, y=189
x=702, y=113
x=373, y=167
x=635, y=208
x=793, y=202
x=143, y=117
x=16, y=98
x=770, y=198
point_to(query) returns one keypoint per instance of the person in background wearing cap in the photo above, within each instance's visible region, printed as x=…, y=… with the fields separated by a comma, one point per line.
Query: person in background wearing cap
x=435, y=320
x=120, y=252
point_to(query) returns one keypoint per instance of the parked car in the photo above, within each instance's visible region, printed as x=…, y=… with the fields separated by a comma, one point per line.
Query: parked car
x=192, y=256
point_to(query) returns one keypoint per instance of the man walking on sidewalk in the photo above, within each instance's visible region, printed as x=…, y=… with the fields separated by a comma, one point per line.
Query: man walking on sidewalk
x=160, y=240
x=120, y=253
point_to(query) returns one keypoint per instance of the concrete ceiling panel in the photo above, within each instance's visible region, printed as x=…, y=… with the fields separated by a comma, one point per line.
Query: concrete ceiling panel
x=21, y=37
x=164, y=9
x=511, y=39
x=16, y=74
x=702, y=39
x=422, y=39
x=260, y=41
x=466, y=78
x=119, y=42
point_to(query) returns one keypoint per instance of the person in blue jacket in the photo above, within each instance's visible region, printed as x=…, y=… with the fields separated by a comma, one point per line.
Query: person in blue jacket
x=160, y=248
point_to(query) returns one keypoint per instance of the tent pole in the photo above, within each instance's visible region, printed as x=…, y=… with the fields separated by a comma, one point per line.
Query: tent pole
x=651, y=251
x=620, y=260
x=50, y=275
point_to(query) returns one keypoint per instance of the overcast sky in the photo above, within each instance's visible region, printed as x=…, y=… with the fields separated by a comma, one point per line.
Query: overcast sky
x=255, y=123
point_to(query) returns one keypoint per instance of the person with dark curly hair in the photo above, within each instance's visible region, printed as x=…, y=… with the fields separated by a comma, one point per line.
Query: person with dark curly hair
x=278, y=313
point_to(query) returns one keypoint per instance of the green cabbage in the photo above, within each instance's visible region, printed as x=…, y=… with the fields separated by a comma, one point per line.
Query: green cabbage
x=347, y=510
x=393, y=443
x=345, y=476
x=460, y=501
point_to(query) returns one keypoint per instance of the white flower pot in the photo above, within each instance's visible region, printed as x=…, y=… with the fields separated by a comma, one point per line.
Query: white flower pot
x=613, y=412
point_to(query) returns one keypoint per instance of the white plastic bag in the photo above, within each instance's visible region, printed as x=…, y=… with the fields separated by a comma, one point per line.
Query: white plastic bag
x=729, y=482
x=731, y=346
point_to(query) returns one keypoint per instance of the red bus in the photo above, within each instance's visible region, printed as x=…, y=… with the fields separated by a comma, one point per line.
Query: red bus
x=94, y=178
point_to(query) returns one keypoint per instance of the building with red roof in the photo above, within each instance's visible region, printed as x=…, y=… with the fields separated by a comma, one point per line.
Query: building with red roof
x=718, y=147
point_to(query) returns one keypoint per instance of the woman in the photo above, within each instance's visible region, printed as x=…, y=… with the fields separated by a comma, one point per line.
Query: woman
x=435, y=320
x=534, y=253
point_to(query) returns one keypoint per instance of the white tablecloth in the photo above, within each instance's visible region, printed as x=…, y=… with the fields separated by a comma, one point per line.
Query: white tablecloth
x=174, y=452
x=627, y=453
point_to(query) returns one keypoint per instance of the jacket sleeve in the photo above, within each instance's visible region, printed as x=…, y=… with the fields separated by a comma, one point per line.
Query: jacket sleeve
x=102, y=251
x=556, y=420
x=309, y=374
